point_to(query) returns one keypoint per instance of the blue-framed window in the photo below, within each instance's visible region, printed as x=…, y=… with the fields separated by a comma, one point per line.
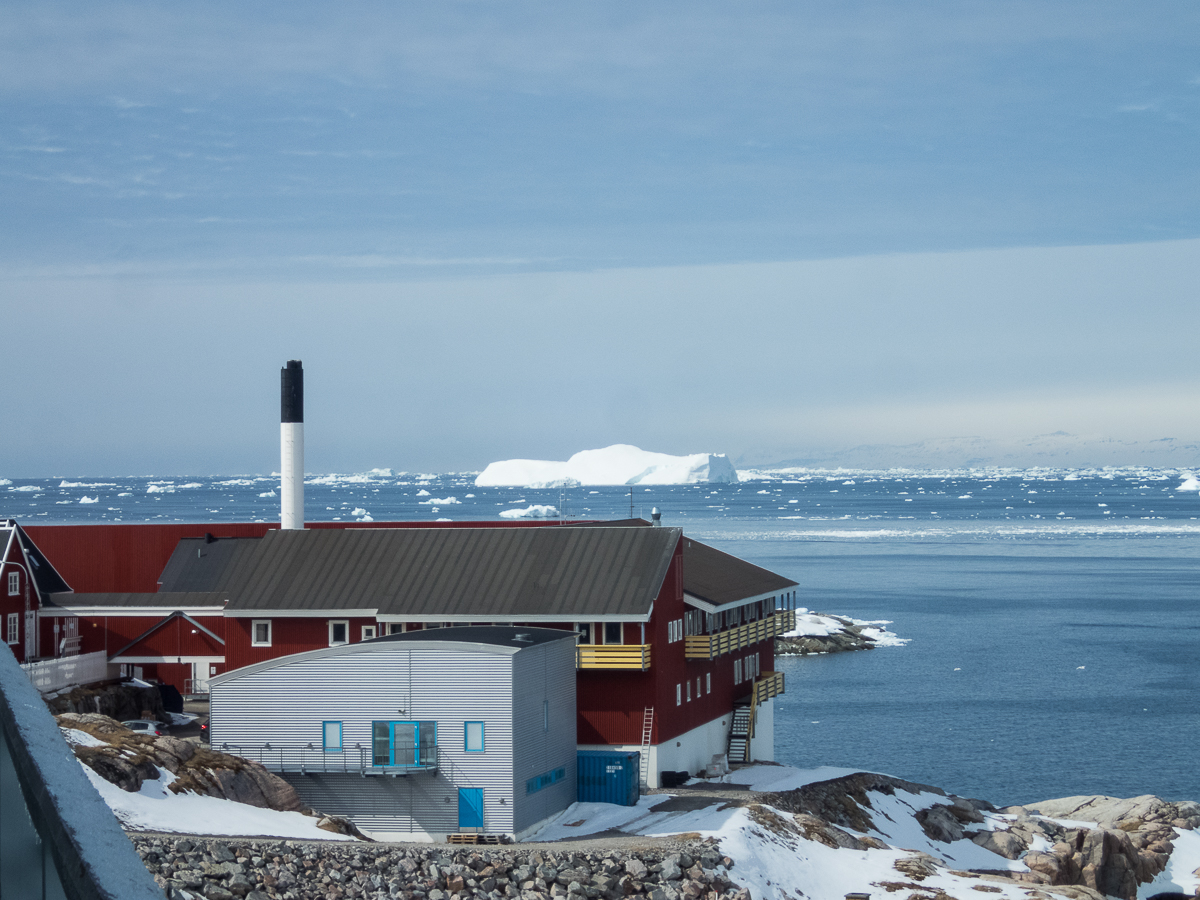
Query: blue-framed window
x=533, y=785
x=473, y=737
x=404, y=743
x=331, y=737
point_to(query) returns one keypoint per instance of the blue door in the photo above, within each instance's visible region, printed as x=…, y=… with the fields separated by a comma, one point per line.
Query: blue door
x=470, y=807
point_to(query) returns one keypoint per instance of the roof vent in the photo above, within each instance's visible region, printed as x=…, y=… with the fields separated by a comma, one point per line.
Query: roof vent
x=656, y=516
x=524, y=637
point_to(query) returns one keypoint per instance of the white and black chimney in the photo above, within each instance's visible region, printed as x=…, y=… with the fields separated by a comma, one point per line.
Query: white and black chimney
x=291, y=434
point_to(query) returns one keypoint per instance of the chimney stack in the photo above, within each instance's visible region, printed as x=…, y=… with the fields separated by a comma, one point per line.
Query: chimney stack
x=291, y=433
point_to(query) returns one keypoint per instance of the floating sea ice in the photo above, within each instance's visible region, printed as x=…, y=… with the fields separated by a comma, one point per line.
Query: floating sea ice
x=125, y=494
x=1080, y=668
x=269, y=494
x=86, y=499
x=536, y=511
x=422, y=493
x=445, y=501
x=1190, y=483
x=358, y=511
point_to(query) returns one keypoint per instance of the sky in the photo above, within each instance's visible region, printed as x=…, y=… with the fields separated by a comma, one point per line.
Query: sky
x=773, y=230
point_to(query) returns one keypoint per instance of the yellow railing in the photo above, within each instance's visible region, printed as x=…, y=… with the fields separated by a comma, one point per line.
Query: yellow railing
x=710, y=646
x=766, y=686
x=613, y=656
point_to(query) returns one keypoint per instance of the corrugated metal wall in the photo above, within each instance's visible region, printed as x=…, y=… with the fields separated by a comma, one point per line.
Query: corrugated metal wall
x=543, y=675
x=288, y=703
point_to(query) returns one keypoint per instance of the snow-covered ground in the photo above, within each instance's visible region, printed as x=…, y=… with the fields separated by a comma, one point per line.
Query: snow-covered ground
x=776, y=862
x=618, y=464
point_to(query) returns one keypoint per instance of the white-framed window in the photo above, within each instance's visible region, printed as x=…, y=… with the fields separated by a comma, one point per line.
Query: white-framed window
x=331, y=737
x=339, y=632
x=584, y=630
x=13, y=631
x=737, y=671
x=708, y=682
x=473, y=737
x=368, y=632
x=679, y=695
x=396, y=628
x=260, y=633
x=699, y=693
x=14, y=583
x=689, y=690
x=613, y=633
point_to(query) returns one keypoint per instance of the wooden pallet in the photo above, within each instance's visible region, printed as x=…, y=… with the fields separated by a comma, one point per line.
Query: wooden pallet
x=471, y=838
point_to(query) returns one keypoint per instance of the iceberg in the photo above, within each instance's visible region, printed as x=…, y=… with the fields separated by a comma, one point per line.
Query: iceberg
x=615, y=465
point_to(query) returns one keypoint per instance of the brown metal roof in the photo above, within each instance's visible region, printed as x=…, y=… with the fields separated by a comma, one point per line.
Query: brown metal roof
x=719, y=578
x=170, y=600
x=542, y=572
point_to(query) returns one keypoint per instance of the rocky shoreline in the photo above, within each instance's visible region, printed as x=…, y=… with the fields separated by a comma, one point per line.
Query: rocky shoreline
x=850, y=636
x=226, y=869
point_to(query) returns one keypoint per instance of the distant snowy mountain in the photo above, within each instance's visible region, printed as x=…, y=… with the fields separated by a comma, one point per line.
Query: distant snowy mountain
x=618, y=464
x=1059, y=449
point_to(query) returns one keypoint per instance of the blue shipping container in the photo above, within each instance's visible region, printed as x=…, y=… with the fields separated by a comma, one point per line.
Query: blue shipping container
x=609, y=776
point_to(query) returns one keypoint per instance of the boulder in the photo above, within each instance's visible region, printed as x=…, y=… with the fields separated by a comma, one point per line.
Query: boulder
x=1004, y=843
x=940, y=823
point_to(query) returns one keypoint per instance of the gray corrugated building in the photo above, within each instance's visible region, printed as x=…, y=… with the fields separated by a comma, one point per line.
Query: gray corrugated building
x=427, y=733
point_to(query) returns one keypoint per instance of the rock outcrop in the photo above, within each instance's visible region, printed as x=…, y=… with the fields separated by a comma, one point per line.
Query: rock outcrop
x=127, y=759
x=117, y=701
x=850, y=637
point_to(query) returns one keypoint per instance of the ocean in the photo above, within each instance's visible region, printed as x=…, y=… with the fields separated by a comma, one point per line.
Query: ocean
x=1052, y=615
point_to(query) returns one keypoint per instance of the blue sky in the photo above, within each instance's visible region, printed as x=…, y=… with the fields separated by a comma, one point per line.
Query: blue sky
x=526, y=229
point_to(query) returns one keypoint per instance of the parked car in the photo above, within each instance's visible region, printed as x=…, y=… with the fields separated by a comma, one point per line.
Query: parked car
x=146, y=726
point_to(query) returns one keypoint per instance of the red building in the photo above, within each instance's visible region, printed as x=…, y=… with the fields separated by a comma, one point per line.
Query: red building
x=675, y=637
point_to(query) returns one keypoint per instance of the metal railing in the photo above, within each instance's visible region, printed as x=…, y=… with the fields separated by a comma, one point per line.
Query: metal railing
x=613, y=656
x=58, y=838
x=710, y=646
x=356, y=760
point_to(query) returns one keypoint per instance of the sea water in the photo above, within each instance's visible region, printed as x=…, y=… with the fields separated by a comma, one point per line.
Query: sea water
x=1052, y=616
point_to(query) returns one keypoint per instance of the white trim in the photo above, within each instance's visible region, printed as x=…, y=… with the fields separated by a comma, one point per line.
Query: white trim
x=305, y=614
x=172, y=660
x=711, y=608
x=82, y=612
x=345, y=623
x=491, y=618
x=254, y=623
x=374, y=632
x=14, y=583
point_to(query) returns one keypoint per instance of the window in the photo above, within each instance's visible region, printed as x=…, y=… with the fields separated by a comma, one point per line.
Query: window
x=331, y=737
x=260, y=633
x=473, y=737
x=708, y=682
x=368, y=633
x=14, y=628
x=612, y=633
x=404, y=744
x=699, y=694
x=396, y=628
x=689, y=690
x=554, y=776
x=339, y=631
x=678, y=695
x=584, y=630
x=14, y=583
x=737, y=671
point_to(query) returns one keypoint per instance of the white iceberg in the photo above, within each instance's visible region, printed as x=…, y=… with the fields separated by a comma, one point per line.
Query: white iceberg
x=618, y=464
x=536, y=511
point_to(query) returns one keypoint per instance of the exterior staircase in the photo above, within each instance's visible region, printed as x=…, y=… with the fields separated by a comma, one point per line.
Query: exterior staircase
x=739, y=734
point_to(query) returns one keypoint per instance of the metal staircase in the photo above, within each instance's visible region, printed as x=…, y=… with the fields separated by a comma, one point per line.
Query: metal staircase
x=740, y=733
x=647, y=731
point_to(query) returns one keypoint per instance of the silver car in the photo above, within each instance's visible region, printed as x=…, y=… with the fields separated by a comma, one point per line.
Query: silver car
x=146, y=726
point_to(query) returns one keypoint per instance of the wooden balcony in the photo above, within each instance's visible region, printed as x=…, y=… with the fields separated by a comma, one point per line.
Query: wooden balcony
x=613, y=656
x=710, y=646
x=766, y=686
